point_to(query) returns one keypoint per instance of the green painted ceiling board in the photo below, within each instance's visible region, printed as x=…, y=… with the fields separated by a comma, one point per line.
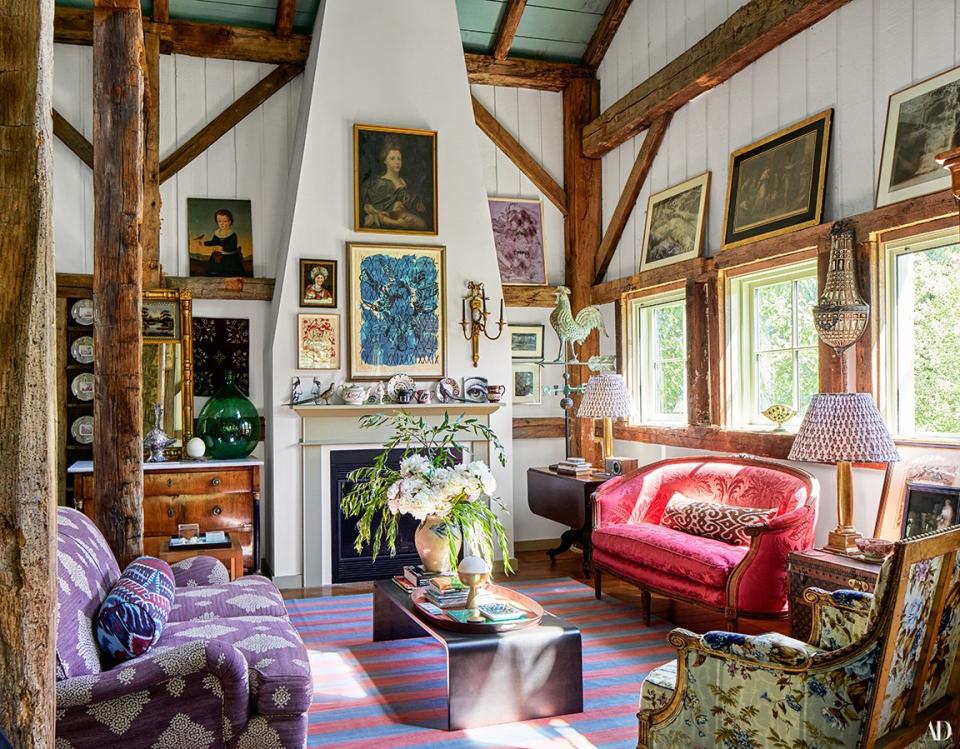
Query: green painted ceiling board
x=479, y=15
x=232, y=14
x=580, y=6
x=558, y=25
x=547, y=49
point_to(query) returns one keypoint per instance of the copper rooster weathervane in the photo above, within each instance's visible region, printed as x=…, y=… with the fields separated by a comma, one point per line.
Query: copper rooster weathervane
x=477, y=319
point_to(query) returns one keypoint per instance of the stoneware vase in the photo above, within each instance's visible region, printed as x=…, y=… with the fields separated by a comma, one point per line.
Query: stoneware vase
x=432, y=544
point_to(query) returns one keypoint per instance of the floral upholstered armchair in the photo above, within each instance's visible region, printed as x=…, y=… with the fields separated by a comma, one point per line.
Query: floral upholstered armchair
x=732, y=690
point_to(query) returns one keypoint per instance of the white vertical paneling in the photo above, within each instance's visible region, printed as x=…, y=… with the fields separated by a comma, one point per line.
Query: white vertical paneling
x=933, y=37
x=718, y=157
x=822, y=79
x=640, y=33
x=251, y=151
x=892, y=58
x=676, y=29
x=488, y=151
x=170, y=237
x=69, y=204
x=628, y=240
x=657, y=24
x=675, y=146
x=221, y=157
x=853, y=145
x=505, y=110
x=792, y=83
x=551, y=140
x=696, y=19
x=191, y=181
x=766, y=84
x=528, y=132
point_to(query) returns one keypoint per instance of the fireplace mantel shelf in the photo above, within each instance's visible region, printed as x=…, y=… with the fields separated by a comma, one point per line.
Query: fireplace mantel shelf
x=424, y=409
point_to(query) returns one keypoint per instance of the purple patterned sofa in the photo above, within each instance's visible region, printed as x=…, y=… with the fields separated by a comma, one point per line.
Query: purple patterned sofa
x=229, y=670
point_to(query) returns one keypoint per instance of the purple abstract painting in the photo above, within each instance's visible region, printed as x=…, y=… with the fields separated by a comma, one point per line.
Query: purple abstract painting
x=518, y=234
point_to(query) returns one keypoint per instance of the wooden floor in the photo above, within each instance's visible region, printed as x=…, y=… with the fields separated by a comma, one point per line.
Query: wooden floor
x=535, y=565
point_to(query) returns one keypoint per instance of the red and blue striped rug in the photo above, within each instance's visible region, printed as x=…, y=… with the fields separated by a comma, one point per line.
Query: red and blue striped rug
x=384, y=694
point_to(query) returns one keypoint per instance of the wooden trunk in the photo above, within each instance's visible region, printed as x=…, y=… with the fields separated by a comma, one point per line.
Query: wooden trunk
x=27, y=400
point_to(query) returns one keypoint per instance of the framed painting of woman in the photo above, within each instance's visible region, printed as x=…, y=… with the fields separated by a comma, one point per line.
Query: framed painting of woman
x=395, y=180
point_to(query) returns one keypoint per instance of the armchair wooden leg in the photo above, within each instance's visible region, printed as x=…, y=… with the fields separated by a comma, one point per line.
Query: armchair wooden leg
x=645, y=606
x=732, y=623
x=597, y=589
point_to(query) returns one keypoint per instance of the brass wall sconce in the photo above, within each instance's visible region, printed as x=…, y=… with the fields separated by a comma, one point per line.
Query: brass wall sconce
x=477, y=318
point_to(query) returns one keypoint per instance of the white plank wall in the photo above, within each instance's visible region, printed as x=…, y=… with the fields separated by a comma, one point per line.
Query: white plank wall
x=851, y=61
x=250, y=161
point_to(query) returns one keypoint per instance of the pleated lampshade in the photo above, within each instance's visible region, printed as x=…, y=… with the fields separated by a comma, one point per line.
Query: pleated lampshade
x=606, y=396
x=843, y=427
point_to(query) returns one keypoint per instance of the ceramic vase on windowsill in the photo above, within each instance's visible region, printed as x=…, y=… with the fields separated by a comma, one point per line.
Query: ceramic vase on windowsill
x=432, y=540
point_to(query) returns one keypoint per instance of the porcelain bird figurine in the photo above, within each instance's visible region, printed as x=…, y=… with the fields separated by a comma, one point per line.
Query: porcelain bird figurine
x=572, y=329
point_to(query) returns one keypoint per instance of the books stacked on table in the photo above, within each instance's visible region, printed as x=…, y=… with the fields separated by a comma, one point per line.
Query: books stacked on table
x=447, y=592
x=418, y=576
x=501, y=611
x=405, y=585
x=574, y=467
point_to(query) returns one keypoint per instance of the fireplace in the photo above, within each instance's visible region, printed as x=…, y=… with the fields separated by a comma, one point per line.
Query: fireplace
x=347, y=565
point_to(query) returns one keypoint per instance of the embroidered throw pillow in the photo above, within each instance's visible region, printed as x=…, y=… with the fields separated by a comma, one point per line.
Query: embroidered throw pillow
x=713, y=519
x=132, y=616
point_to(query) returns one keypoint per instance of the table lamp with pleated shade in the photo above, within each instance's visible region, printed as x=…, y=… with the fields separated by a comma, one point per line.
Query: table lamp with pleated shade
x=605, y=397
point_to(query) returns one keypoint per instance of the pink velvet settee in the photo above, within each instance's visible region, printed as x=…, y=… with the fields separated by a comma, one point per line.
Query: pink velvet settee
x=748, y=578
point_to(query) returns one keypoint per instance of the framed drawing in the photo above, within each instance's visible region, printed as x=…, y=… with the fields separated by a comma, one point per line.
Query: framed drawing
x=922, y=121
x=318, y=283
x=526, y=341
x=776, y=184
x=526, y=383
x=220, y=237
x=518, y=236
x=395, y=180
x=675, y=222
x=936, y=466
x=928, y=507
x=318, y=341
x=397, y=315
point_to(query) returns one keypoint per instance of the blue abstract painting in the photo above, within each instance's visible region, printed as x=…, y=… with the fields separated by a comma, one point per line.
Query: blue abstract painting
x=397, y=311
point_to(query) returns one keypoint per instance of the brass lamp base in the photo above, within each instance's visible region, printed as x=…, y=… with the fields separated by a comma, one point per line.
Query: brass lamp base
x=843, y=541
x=843, y=538
x=606, y=441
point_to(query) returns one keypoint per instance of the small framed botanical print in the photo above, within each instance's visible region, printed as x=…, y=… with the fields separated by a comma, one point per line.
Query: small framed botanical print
x=318, y=341
x=318, y=283
x=526, y=383
x=395, y=180
x=922, y=121
x=526, y=341
x=518, y=236
x=675, y=221
x=776, y=184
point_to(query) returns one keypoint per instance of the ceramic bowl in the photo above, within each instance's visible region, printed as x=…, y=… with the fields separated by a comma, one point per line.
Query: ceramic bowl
x=875, y=549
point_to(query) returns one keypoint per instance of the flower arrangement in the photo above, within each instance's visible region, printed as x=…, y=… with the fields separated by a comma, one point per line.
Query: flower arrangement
x=431, y=484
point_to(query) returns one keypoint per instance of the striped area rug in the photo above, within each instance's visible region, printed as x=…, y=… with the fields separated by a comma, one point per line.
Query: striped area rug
x=387, y=694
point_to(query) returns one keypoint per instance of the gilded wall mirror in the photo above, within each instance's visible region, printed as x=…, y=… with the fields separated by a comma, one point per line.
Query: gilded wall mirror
x=167, y=363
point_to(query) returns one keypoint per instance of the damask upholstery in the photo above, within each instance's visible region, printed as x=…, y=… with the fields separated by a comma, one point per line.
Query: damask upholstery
x=630, y=540
x=771, y=691
x=228, y=672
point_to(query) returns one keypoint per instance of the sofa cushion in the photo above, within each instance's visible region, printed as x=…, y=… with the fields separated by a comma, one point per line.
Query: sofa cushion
x=251, y=595
x=132, y=617
x=675, y=553
x=726, y=523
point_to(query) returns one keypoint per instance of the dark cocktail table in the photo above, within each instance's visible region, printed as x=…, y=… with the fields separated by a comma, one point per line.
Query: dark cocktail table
x=493, y=678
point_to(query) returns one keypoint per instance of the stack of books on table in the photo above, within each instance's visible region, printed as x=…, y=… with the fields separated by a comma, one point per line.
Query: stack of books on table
x=418, y=576
x=574, y=467
x=447, y=592
x=405, y=585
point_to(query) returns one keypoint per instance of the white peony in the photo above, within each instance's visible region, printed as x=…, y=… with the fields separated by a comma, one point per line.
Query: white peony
x=415, y=465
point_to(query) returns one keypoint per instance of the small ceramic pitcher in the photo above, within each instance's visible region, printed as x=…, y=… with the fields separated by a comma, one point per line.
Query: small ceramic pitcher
x=495, y=393
x=424, y=396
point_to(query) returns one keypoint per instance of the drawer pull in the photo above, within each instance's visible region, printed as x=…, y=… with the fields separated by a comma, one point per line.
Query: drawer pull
x=169, y=482
x=169, y=512
x=217, y=509
x=858, y=585
x=215, y=481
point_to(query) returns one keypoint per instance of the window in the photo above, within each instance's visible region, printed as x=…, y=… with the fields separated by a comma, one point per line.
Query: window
x=922, y=352
x=658, y=370
x=773, y=344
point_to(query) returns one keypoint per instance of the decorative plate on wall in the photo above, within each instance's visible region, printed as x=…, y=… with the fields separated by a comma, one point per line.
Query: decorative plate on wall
x=82, y=386
x=448, y=389
x=82, y=312
x=82, y=349
x=82, y=429
x=400, y=382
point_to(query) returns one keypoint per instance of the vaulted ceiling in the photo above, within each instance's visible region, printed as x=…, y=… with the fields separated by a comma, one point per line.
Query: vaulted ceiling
x=549, y=29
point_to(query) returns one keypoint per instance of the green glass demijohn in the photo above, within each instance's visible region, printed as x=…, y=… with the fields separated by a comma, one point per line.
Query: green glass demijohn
x=229, y=424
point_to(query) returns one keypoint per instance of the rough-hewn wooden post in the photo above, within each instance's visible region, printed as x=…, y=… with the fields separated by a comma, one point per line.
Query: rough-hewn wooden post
x=27, y=398
x=117, y=267
x=150, y=229
x=581, y=230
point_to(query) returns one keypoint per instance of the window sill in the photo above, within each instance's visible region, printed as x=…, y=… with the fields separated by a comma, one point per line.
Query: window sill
x=766, y=444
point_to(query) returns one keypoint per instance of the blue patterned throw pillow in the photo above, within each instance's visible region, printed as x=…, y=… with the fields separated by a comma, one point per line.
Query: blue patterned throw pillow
x=133, y=615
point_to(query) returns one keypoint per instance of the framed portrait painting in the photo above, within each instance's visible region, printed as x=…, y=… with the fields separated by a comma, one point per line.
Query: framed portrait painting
x=675, y=223
x=318, y=283
x=518, y=236
x=397, y=320
x=922, y=121
x=526, y=383
x=526, y=341
x=220, y=237
x=776, y=184
x=395, y=180
x=318, y=341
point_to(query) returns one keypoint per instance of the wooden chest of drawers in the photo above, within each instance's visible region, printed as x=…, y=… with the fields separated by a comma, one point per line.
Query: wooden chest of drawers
x=217, y=495
x=818, y=568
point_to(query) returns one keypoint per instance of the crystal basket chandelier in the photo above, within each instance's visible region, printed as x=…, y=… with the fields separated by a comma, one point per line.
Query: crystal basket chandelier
x=841, y=315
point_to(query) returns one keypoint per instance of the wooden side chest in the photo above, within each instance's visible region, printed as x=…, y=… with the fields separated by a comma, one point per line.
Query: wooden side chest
x=818, y=568
x=217, y=495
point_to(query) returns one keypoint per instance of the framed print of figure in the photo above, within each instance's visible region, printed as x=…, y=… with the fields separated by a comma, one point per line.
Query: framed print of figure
x=220, y=237
x=675, y=223
x=776, y=184
x=526, y=383
x=922, y=121
x=318, y=283
x=318, y=341
x=395, y=180
x=397, y=320
x=518, y=236
x=526, y=341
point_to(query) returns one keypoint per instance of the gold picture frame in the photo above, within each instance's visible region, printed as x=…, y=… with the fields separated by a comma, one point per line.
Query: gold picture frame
x=376, y=329
x=394, y=190
x=683, y=205
x=776, y=185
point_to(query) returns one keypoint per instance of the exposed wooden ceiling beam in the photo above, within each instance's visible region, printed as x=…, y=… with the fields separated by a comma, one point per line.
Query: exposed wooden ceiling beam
x=752, y=31
x=161, y=11
x=523, y=73
x=508, y=28
x=628, y=198
x=520, y=156
x=603, y=36
x=529, y=296
x=285, y=11
x=227, y=119
x=75, y=26
x=73, y=138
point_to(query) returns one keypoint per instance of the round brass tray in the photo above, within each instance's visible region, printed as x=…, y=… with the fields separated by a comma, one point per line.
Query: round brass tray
x=533, y=609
